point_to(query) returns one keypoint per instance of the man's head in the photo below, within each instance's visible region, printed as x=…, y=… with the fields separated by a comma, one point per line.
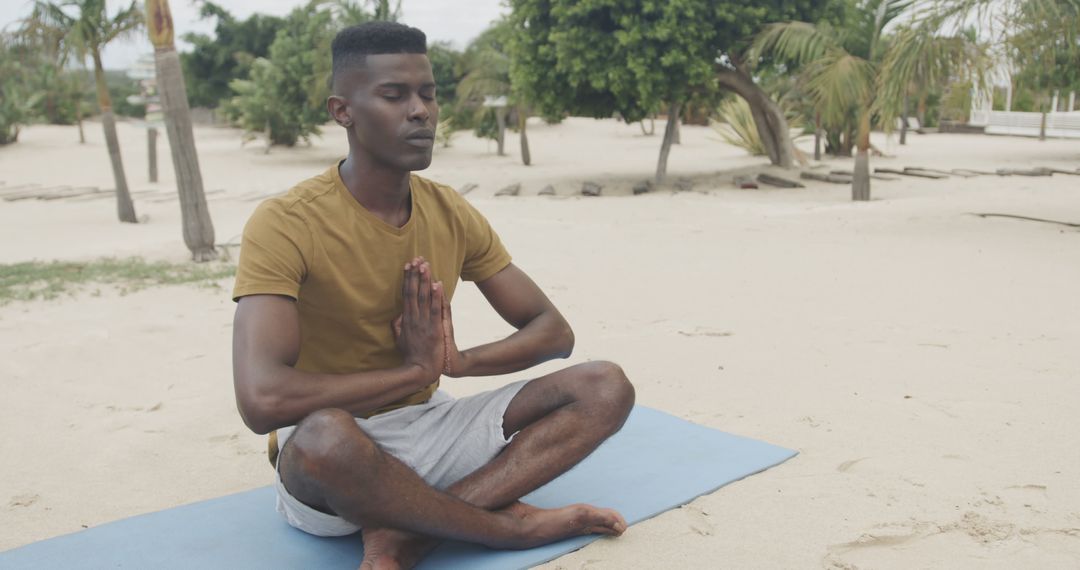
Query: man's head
x=384, y=94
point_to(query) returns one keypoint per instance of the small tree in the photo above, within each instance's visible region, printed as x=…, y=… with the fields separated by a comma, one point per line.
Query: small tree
x=285, y=94
x=18, y=97
x=87, y=28
x=857, y=72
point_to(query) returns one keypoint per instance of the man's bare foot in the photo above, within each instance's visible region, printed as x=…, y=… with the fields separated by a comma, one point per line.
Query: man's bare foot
x=544, y=526
x=391, y=549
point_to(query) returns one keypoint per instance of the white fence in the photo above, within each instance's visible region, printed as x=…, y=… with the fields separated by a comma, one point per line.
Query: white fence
x=1064, y=125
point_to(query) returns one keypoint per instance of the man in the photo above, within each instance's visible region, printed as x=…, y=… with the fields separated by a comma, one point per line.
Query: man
x=343, y=329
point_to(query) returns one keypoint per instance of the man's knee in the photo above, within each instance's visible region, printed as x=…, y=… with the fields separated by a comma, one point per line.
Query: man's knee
x=607, y=385
x=324, y=439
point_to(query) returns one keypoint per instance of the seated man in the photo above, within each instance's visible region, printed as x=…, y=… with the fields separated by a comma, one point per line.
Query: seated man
x=343, y=329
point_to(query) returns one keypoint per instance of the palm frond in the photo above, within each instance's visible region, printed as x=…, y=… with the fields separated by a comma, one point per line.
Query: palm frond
x=737, y=127
x=840, y=83
x=796, y=42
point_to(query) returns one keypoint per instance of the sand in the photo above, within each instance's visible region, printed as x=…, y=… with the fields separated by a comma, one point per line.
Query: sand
x=921, y=359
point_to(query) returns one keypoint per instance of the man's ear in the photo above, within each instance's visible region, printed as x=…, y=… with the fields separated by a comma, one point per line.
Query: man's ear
x=338, y=108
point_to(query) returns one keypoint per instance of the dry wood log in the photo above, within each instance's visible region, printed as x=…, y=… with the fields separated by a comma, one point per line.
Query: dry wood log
x=745, y=182
x=511, y=190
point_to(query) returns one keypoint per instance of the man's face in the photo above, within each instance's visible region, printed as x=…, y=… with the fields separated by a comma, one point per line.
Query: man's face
x=389, y=105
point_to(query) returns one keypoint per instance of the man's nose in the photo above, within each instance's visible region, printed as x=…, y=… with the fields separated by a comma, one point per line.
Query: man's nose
x=418, y=110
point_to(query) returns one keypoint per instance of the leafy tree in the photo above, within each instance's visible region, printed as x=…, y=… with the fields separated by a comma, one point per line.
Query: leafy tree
x=285, y=94
x=198, y=229
x=599, y=57
x=228, y=54
x=86, y=28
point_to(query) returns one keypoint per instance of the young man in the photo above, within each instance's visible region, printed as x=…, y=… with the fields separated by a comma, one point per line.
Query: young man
x=343, y=329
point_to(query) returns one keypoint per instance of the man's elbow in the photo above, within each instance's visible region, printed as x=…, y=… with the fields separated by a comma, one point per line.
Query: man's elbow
x=259, y=410
x=564, y=340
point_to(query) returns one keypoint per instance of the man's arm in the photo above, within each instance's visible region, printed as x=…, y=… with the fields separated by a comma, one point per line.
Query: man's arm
x=542, y=332
x=271, y=393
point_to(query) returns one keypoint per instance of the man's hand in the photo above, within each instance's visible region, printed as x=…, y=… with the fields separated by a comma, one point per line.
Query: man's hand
x=454, y=366
x=419, y=332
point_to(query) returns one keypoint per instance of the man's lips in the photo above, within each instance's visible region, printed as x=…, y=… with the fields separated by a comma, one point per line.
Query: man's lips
x=422, y=134
x=424, y=138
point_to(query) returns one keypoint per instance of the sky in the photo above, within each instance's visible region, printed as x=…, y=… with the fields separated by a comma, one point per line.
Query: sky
x=455, y=21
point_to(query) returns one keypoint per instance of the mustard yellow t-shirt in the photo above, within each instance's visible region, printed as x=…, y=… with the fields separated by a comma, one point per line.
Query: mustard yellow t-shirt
x=344, y=266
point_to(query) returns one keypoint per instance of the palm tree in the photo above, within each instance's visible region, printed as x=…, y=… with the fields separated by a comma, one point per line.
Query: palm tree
x=485, y=68
x=856, y=76
x=198, y=229
x=87, y=29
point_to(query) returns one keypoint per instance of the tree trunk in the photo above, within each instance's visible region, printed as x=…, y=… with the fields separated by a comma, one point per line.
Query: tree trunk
x=921, y=112
x=523, y=116
x=125, y=209
x=860, y=184
x=817, y=137
x=665, y=146
x=677, y=137
x=151, y=151
x=78, y=119
x=1042, y=127
x=769, y=119
x=500, y=118
x=904, y=123
x=652, y=127
x=198, y=229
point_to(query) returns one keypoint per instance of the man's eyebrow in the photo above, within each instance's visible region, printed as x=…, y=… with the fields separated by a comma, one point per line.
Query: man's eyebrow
x=400, y=85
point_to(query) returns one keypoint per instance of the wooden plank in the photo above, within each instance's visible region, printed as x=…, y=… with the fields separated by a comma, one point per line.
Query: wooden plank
x=924, y=173
x=1022, y=172
x=778, y=181
x=943, y=173
x=908, y=173
x=36, y=193
x=832, y=178
x=81, y=191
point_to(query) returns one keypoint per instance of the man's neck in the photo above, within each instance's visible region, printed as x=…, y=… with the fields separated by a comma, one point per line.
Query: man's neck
x=381, y=191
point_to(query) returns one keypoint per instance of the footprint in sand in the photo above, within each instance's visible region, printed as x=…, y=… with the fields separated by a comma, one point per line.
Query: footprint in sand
x=848, y=465
x=24, y=500
x=973, y=537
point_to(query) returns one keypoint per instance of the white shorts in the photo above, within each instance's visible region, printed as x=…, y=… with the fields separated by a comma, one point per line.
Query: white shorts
x=443, y=440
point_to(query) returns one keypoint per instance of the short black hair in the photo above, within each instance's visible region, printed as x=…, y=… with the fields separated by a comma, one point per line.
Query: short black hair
x=354, y=43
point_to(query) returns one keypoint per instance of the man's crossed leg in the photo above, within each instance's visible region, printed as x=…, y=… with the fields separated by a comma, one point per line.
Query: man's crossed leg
x=330, y=464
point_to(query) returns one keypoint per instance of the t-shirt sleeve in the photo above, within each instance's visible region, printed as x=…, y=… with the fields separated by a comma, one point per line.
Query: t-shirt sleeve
x=274, y=253
x=484, y=252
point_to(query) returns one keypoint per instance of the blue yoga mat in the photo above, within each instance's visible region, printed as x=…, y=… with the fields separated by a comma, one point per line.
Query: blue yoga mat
x=655, y=463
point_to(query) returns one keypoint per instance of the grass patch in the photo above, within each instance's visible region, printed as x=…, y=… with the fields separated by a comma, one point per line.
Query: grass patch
x=37, y=280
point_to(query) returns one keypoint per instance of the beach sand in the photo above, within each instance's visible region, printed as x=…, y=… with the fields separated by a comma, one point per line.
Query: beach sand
x=922, y=360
